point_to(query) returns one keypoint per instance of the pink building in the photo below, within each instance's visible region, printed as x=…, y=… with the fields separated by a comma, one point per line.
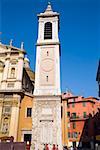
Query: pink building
x=78, y=111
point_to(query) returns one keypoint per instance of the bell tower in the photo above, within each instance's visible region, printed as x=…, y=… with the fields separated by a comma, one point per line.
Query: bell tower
x=47, y=94
x=47, y=80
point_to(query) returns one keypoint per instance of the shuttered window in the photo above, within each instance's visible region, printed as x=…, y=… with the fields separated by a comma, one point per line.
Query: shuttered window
x=48, y=30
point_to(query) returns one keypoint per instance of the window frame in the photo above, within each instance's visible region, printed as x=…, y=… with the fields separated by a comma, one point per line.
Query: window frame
x=47, y=31
x=28, y=116
x=73, y=115
x=84, y=114
x=84, y=104
x=68, y=114
x=74, y=125
x=69, y=135
x=12, y=72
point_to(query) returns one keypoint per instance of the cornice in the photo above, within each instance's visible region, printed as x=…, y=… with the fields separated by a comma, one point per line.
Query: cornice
x=47, y=43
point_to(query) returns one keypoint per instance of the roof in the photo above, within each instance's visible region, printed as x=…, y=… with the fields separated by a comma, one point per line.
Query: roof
x=13, y=48
x=31, y=74
x=98, y=73
x=79, y=99
x=48, y=12
x=92, y=98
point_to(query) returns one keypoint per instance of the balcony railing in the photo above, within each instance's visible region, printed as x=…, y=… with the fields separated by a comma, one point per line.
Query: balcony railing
x=78, y=117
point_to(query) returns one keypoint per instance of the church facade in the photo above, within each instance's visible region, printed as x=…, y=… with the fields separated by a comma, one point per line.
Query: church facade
x=46, y=125
x=16, y=86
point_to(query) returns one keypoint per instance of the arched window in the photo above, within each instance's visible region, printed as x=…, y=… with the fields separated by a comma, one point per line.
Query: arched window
x=48, y=30
x=12, y=72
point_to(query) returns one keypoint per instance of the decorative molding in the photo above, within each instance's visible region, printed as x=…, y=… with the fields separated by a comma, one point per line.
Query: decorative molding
x=44, y=120
x=15, y=103
x=47, y=43
x=1, y=103
x=8, y=102
x=7, y=58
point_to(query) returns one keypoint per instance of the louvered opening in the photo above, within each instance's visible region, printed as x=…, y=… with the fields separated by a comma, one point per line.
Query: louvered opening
x=48, y=30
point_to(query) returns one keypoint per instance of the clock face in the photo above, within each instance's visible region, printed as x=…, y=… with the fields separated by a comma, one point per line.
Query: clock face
x=47, y=64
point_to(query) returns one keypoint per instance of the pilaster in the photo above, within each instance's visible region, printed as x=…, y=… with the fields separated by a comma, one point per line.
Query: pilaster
x=14, y=118
x=1, y=105
x=18, y=83
x=5, y=73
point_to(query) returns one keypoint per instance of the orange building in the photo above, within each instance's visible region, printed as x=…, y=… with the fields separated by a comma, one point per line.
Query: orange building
x=76, y=110
x=25, y=113
x=25, y=118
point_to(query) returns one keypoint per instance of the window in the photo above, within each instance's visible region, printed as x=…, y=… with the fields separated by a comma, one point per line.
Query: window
x=47, y=53
x=73, y=104
x=7, y=110
x=73, y=115
x=12, y=73
x=73, y=100
x=68, y=105
x=84, y=114
x=29, y=112
x=74, y=134
x=74, y=125
x=48, y=30
x=47, y=78
x=68, y=114
x=71, y=135
x=68, y=134
x=84, y=104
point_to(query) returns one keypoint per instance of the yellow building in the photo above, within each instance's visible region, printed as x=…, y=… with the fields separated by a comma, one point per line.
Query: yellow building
x=16, y=89
x=25, y=118
x=64, y=122
x=25, y=114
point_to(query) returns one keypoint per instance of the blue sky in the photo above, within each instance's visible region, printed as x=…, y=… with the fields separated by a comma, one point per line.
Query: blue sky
x=79, y=36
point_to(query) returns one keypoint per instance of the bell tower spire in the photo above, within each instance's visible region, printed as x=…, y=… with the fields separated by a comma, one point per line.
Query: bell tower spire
x=48, y=25
x=49, y=9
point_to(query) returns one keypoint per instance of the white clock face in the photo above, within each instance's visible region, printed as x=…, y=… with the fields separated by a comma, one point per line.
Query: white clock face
x=47, y=64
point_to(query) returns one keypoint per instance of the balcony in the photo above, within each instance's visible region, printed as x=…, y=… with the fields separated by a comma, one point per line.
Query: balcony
x=72, y=118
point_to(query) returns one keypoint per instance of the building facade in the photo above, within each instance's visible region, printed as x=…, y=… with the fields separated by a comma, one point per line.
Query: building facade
x=25, y=119
x=15, y=82
x=76, y=112
x=47, y=95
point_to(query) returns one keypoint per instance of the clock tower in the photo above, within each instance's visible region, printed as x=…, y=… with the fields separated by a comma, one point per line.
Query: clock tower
x=46, y=127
